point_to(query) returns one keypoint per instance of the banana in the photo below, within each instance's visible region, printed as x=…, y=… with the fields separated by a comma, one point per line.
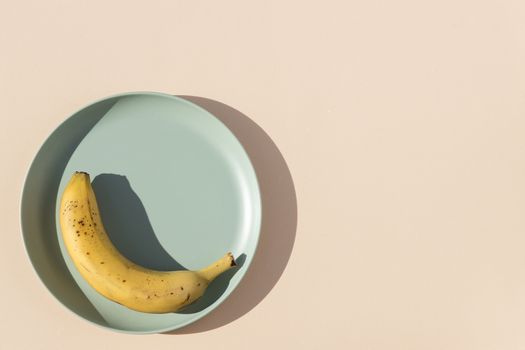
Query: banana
x=113, y=275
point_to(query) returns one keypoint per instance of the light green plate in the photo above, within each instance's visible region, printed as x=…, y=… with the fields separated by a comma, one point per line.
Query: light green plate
x=175, y=188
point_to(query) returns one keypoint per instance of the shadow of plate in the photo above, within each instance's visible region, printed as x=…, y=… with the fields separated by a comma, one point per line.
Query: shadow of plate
x=279, y=220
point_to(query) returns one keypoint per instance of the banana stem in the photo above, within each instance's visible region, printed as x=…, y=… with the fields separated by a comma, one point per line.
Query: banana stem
x=218, y=267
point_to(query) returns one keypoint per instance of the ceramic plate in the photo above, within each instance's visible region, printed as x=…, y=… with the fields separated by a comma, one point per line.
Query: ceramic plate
x=175, y=188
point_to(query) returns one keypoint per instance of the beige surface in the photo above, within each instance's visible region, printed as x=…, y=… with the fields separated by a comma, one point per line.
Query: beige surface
x=402, y=123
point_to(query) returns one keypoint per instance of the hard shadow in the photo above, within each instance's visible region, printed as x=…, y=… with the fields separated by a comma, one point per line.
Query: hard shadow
x=279, y=220
x=127, y=224
x=38, y=217
x=129, y=228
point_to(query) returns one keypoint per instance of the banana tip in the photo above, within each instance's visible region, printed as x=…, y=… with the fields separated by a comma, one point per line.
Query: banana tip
x=232, y=262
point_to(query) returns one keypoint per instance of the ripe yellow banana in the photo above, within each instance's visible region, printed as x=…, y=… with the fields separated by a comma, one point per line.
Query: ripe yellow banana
x=112, y=274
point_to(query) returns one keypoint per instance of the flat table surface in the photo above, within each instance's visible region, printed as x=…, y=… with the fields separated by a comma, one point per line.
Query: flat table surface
x=389, y=137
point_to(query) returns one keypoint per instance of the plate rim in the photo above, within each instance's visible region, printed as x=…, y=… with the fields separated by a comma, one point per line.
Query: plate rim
x=257, y=222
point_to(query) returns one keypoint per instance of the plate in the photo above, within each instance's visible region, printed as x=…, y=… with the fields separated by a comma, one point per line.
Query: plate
x=175, y=188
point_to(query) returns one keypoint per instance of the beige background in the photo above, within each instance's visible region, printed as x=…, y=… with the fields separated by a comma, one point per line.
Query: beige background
x=402, y=124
